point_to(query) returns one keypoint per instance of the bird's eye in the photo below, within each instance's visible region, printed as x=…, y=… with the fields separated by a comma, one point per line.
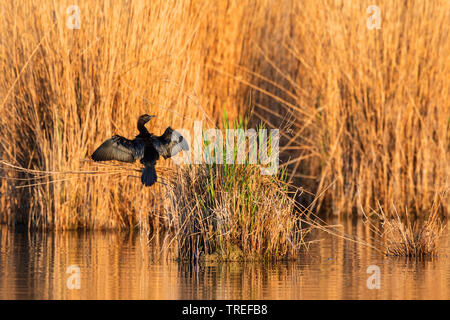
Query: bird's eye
x=180, y=139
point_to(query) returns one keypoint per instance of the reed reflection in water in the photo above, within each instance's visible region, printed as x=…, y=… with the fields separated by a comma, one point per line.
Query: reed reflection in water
x=129, y=266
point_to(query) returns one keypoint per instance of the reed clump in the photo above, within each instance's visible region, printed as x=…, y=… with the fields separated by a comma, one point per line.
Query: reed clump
x=231, y=211
x=407, y=237
x=234, y=213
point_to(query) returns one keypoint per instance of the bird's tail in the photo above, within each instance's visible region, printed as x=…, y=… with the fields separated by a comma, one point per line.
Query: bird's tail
x=148, y=177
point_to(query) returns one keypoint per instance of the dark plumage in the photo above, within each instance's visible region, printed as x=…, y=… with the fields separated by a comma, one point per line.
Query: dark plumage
x=145, y=147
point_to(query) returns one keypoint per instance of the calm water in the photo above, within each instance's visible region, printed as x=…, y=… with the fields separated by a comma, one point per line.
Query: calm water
x=123, y=266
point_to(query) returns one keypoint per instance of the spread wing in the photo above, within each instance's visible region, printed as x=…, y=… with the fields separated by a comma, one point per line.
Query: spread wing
x=121, y=149
x=170, y=143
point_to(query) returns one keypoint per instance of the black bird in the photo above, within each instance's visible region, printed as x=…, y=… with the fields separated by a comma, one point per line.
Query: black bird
x=145, y=147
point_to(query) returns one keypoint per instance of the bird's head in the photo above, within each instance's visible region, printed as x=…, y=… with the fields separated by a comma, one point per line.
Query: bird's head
x=142, y=121
x=145, y=118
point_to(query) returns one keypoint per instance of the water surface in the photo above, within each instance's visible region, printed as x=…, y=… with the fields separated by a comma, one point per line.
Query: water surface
x=117, y=265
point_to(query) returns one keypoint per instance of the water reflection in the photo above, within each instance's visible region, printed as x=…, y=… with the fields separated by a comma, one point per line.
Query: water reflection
x=128, y=266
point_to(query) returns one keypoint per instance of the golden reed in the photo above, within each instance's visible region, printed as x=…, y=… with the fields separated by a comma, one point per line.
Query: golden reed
x=362, y=112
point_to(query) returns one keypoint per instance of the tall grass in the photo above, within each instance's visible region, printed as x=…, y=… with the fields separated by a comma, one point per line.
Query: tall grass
x=365, y=111
x=369, y=110
x=64, y=91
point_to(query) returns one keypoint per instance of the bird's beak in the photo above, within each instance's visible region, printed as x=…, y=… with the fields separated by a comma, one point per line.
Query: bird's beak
x=184, y=145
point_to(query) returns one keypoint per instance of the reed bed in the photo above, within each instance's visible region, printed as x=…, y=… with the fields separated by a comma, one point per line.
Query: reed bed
x=365, y=111
x=64, y=91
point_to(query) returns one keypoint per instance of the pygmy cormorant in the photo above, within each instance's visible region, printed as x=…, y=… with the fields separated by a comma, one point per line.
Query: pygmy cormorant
x=145, y=147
